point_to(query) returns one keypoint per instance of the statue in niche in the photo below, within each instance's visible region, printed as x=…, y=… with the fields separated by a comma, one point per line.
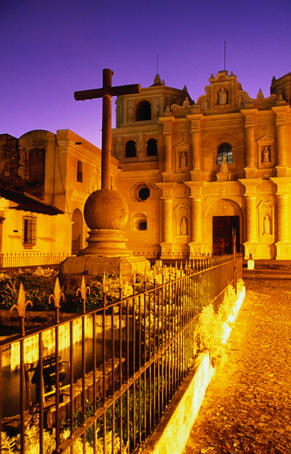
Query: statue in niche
x=184, y=226
x=222, y=97
x=266, y=154
x=182, y=159
x=223, y=165
x=267, y=225
x=223, y=173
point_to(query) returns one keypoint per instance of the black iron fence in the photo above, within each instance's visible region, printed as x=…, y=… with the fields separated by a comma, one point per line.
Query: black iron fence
x=29, y=259
x=101, y=381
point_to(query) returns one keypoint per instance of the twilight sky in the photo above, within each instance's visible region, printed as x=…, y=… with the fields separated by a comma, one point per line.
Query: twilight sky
x=49, y=49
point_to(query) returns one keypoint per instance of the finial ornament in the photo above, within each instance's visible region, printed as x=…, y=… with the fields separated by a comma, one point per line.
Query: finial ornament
x=58, y=294
x=21, y=306
x=157, y=80
x=83, y=290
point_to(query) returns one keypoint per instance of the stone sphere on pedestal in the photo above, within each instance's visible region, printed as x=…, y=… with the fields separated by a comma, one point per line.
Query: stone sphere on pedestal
x=106, y=209
x=106, y=214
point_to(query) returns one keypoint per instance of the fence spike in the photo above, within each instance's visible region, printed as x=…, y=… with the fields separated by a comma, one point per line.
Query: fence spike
x=20, y=307
x=83, y=290
x=21, y=304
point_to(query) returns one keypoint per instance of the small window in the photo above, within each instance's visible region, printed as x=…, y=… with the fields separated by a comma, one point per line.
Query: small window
x=140, y=222
x=224, y=149
x=130, y=149
x=152, y=147
x=29, y=231
x=143, y=193
x=79, y=171
x=143, y=111
x=143, y=225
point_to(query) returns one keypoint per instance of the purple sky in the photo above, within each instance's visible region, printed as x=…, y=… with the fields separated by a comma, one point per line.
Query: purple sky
x=49, y=49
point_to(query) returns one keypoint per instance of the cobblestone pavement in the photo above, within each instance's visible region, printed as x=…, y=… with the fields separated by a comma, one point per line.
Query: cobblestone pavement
x=247, y=407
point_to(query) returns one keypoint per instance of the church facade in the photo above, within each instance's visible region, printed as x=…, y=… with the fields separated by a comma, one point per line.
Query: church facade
x=192, y=172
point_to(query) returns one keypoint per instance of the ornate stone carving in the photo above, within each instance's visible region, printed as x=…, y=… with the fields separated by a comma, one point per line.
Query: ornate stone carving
x=222, y=96
x=184, y=226
x=183, y=159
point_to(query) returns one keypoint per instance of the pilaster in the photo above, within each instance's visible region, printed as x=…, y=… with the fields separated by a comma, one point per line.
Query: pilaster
x=167, y=221
x=280, y=113
x=250, y=115
x=195, y=120
x=196, y=219
x=167, y=123
x=283, y=243
x=251, y=223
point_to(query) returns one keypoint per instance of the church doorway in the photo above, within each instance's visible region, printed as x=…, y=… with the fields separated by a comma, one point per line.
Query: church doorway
x=77, y=231
x=222, y=227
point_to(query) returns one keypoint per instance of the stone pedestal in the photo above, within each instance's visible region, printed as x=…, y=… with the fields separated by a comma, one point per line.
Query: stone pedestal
x=106, y=214
x=283, y=250
x=166, y=250
x=90, y=265
x=195, y=249
x=250, y=249
x=223, y=176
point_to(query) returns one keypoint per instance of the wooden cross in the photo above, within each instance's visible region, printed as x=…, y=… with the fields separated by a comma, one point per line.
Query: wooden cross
x=106, y=92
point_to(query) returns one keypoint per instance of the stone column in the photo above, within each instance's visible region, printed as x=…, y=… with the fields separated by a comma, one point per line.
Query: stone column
x=167, y=133
x=196, y=220
x=251, y=218
x=167, y=220
x=283, y=217
x=168, y=152
x=280, y=112
x=249, y=115
x=196, y=145
x=198, y=239
x=283, y=243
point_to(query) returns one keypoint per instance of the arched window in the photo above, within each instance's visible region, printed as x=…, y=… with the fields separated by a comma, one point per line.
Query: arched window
x=143, y=111
x=224, y=149
x=152, y=147
x=130, y=149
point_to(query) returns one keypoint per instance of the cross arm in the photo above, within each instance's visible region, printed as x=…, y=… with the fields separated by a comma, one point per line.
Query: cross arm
x=89, y=94
x=113, y=91
x=125, y=90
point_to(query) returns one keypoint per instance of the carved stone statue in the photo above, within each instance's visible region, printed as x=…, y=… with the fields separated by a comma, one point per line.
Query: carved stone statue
x=266, y=154
x=267, y=225
x=223, y=173
x=184, y=226
x=223, y=165
x=222, y=96
x=182, y=159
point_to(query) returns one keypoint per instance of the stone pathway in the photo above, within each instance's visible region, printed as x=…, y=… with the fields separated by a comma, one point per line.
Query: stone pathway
x=247, y=407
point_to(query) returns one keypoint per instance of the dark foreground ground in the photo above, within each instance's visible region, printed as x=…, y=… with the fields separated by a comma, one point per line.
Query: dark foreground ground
x=247, y=407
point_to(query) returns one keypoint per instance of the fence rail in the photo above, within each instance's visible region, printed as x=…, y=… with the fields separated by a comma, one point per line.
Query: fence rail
x=101, y=381
x=29, y=259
